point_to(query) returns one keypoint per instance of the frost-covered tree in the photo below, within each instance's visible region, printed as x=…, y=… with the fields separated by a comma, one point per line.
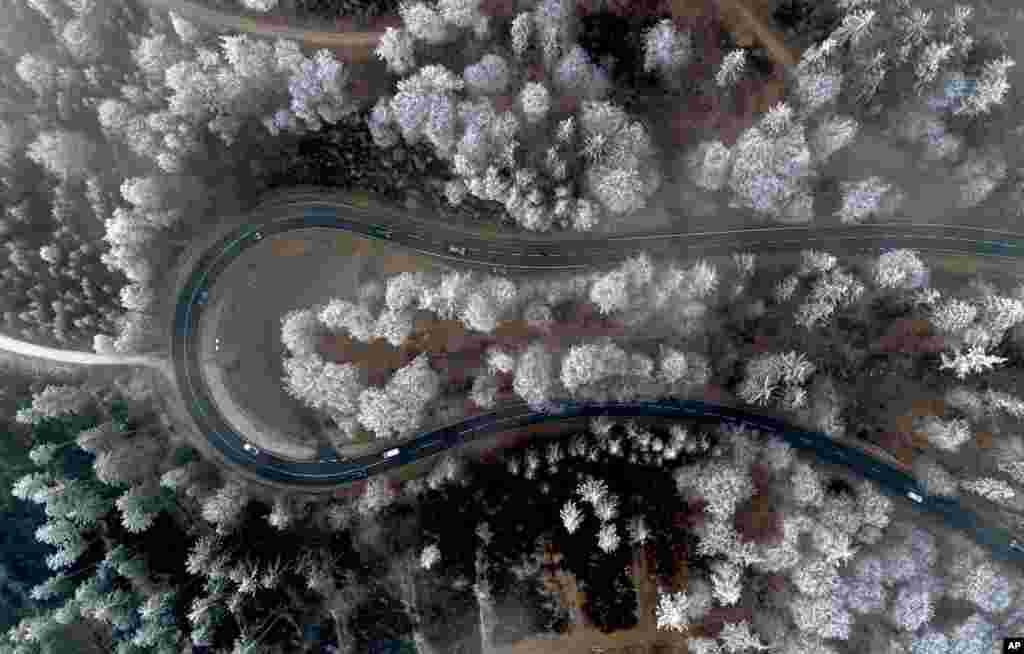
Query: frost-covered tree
x=520, y=32
x=953, y=315
x=727, y=581
x=816, y=577
x=378, y=494
x=724, y=487
x=489, y=75
x=913, y=607
x=982, y=172
x=832, y=135
x=874, y=506
x=778, y=454
x=834, y=544
x=395, y=327
x=572, y=516
x=342, y=316
x=484, y=392
x=983, y=584
x=608, y=539
x=732, y=68
x=131, y=461
x=398, y=408
x=990, y=89
x=397, y=49
x=947, y=435
x=703, y=646
x=867, y=198
x=284, y=512
x=324, y=385
x=430, y=556
x=607, y=508
x=639, y=533
x=592, y=363
x=592, y=490
x=425, y=23
x=990, y=488
x=299, y=331
x=934, y=478
x=769, y=373
x=707, y=165
x=66, y=154
x=224, y=506
x=969, y=361
x=55, y=401
x=866, y=591
x=622, y=175
x=900, y=269
x=485, y=305
x=139, y=508
x=666, y=49
x=737, y=637
x=535, y=101
x=672, y=612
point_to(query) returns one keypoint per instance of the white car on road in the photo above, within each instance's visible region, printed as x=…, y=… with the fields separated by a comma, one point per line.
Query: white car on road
x=391, y=453
x=455, y=249
x=914, y=496
x=251, y=449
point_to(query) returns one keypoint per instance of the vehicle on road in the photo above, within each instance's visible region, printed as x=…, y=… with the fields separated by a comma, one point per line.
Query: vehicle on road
x=251, y=449
x=455, y=249
x=204, y=295
x=1015, y=545
x=391, y=453
x=914, y=496
x=380, y=232
x=258, y=235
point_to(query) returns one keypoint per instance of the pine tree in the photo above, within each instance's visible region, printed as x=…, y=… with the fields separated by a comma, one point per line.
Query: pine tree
x=572, y=516
x=534, y=375
x=608, y=539
x=672, y=612
x=990, y=90
x=424, y=23
x=970, y=361
x=732, y=68
x=397, y=50
x=225, y=506
x=990, y=488
x=737, y=637
x=535, y=101
x=900, y=268
x=138, y=508
x=666, y=49
x=430, y=556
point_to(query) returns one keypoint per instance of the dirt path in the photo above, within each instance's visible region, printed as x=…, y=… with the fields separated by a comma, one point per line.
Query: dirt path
x=79, y=357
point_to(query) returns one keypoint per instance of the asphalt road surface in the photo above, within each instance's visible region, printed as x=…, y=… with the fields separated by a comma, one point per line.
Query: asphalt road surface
x=307, y=212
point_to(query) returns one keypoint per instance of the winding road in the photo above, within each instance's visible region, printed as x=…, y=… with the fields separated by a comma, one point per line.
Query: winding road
x=304, y=211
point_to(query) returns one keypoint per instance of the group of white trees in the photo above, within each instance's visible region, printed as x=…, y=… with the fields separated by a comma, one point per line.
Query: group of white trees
x=340, y=389
x=489, y=148
x=770, y=166
x=973, y=328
